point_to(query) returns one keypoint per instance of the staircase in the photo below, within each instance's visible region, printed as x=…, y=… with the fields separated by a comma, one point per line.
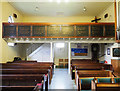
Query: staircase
x=32, y=48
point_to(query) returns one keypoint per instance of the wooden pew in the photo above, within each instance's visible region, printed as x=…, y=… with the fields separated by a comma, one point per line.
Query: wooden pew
x=33, y=67
x=51, y=64
x=89, y=73
x=105, y=84
x=25, y=82
x=90, y=67
x=82, y=61
x=29, y=71
x=24, y=61
x=38, y=64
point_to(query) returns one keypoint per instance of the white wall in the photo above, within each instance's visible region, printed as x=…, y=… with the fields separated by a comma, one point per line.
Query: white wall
x=74, y=45
x=109, y=57
x=111, y=14
x=42, y=54
x=57, y=19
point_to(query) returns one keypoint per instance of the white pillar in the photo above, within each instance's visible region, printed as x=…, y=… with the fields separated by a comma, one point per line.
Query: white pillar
x=51, y=51
x=69, y=56
x=117, y=13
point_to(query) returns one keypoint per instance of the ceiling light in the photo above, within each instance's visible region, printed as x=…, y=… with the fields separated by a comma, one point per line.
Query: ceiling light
x=51, y=0
x=66, y=0
x=84, y=9
x=36, y=8
x=58, y=1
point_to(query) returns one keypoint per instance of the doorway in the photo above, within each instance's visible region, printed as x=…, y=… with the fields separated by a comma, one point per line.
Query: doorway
x=61, y=54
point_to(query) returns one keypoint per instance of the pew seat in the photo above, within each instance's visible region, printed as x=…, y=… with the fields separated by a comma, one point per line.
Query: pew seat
x=117, y=80
x=18, y=88
x=85, y=83
x=84, y=78
x=105, y=83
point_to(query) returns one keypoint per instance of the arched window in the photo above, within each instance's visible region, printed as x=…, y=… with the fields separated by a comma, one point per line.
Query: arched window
x=10, y=19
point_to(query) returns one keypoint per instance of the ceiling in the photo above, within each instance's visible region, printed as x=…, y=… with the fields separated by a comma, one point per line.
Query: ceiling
x=54, y=9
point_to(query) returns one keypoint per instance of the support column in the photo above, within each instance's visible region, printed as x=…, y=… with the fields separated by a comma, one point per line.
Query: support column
x=117, y=13
x=69, y=57
x=51, y=51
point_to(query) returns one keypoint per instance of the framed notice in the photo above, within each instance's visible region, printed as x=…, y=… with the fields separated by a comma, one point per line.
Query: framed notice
x=79, y=51
x=108, y=51
x=116, y=52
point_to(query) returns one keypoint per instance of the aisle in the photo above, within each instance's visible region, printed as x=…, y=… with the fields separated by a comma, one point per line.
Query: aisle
x=62, y=80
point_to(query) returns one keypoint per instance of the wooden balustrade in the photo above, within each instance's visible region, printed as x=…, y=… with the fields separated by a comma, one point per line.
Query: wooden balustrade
x=62, y=30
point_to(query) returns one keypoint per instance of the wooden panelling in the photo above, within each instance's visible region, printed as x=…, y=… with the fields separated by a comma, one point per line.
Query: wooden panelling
x=116, y=65
x=9, y=31
x=38, y=31
x=82, y=30
x=96, y=30
x=109, y=30
x=67, y=31
x=24, y=30
x=53, y=31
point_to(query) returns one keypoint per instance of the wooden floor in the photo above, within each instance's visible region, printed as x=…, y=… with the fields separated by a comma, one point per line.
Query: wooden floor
x=62, y=80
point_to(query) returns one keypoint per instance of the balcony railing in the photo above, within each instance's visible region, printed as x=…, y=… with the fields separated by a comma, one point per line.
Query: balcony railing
x=71, y=30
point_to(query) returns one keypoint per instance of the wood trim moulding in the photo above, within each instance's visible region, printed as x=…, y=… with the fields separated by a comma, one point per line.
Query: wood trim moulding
x=115, y=13
x=58, y=23
x=57, y=37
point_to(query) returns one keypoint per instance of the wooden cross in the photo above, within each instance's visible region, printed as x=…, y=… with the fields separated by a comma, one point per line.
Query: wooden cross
x=96, y=20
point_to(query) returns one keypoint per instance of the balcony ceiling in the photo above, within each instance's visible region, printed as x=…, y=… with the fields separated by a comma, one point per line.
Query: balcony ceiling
x=63, y=9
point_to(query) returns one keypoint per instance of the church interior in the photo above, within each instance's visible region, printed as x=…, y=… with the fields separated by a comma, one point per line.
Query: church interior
x=48, y=45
